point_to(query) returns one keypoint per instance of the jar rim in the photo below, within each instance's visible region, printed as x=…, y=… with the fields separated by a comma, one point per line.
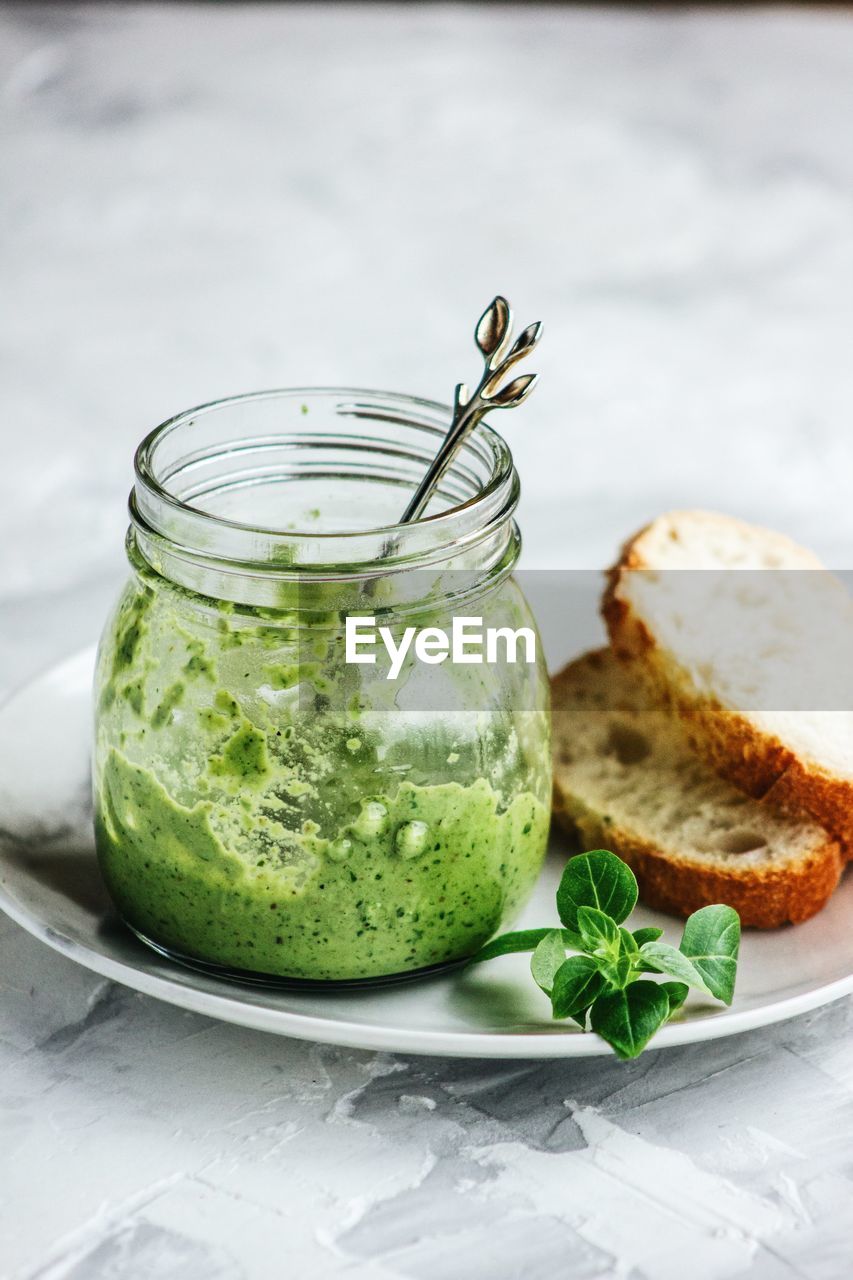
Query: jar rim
x=483, y=432
x=171, y=529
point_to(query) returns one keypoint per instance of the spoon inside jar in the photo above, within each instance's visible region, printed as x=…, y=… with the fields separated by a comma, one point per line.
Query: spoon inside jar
x=493, y=336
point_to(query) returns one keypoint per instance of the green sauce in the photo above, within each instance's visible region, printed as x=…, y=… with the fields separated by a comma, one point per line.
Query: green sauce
x=418, y=878
x=242, y=823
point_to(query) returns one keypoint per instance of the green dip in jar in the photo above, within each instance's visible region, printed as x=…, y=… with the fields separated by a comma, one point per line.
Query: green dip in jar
x=262, y=805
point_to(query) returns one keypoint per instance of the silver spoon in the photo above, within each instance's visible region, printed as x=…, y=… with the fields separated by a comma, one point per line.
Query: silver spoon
x=493, y=336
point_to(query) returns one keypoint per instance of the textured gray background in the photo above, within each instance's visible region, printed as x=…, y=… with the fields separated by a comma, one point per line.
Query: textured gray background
x=201, y=200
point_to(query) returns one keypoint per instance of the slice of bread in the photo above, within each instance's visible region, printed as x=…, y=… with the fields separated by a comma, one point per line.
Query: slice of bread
x=749, y=640
x=626, y=780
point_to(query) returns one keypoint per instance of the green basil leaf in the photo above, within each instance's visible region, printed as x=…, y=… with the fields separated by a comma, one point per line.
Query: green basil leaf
x=577, y=983
x=711, y=941
x=660, y=957
x=597, y=929
x=628, y=1019
x=646, y=935
x=522, y=940
x=622, y=960
x=547, y=958
x=598, y=879
x=617, y=970
x=628, y=942
x=676, y=994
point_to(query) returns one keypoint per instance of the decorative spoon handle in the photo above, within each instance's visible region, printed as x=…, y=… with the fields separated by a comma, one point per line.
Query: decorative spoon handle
x=493, y=335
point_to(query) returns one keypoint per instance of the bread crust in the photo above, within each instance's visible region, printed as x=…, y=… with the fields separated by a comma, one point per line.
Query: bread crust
x=755, y=761
x=764, y=899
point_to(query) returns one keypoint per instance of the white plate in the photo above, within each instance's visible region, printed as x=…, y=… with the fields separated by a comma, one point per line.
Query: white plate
x=49, y=884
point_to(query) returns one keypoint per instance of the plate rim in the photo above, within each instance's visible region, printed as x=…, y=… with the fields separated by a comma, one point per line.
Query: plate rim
x=227, y=1006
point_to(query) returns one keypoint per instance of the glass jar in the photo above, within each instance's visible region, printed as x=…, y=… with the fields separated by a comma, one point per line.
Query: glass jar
x=266, y=807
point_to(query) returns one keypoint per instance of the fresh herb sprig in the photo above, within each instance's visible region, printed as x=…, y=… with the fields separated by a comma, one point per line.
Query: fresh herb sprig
x=603, y=984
